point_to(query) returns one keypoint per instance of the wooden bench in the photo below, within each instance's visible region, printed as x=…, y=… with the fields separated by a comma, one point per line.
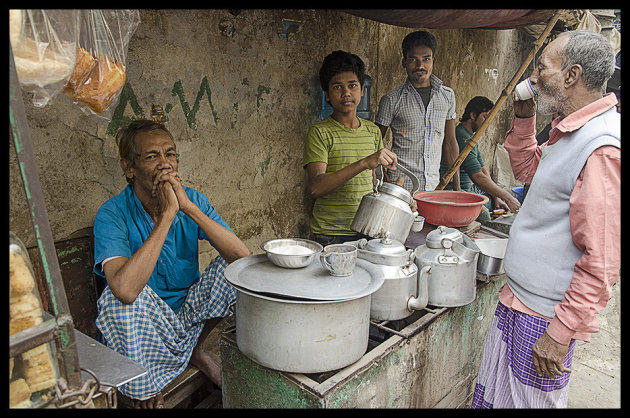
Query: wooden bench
x=191, y=389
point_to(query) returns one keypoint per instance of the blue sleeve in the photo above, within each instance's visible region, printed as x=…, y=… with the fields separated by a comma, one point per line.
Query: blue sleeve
x=111, y=236
x=203, y=203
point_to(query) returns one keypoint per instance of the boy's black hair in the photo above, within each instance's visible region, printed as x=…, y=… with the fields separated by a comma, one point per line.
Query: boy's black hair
x=418, y=38
x=338, y=62
x=476, y=105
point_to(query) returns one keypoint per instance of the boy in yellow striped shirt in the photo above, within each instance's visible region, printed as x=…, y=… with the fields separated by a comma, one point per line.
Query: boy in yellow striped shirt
x=341, y=151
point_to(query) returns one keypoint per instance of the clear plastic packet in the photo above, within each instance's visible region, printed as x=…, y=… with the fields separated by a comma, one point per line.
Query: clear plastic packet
x=100, y=70
x=44, y=44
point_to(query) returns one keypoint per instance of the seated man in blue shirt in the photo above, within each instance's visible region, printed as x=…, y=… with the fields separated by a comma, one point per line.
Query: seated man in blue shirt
x=474, y=176
x=157, y=307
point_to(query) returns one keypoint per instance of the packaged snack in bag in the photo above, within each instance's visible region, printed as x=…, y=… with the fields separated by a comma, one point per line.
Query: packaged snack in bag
x=99, y=73
x=33, y=373
x=44, y=44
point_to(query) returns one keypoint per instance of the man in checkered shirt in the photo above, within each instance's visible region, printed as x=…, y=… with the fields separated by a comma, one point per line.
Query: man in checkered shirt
x=421, y=115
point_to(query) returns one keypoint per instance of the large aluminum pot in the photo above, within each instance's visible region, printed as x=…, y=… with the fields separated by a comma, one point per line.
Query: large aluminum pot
x=387, y=208
x=451, y=259
x=301, y=336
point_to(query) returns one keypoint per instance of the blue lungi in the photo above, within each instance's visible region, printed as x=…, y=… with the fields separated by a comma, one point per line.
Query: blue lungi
x=149, y=332
x=507, y=376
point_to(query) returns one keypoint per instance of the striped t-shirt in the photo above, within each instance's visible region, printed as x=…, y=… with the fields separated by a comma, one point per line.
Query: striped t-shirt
x=330, y=142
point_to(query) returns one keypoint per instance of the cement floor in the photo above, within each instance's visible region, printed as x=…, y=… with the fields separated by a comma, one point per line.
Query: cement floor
x=596, y=377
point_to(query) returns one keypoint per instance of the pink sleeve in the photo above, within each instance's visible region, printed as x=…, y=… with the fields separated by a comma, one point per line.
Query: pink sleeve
x=595, y=217
x=523, y=148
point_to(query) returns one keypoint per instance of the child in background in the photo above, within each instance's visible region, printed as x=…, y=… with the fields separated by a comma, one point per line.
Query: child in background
x=341, y=152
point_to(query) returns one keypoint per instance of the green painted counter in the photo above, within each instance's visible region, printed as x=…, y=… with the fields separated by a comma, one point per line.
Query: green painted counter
x=431, y=363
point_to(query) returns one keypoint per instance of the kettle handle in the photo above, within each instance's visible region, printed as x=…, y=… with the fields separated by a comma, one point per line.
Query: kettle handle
x=379, y=180
x=415, y=184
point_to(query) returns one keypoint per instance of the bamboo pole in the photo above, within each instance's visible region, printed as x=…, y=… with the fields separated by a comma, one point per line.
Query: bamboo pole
x=64, y=334
x=497, y=106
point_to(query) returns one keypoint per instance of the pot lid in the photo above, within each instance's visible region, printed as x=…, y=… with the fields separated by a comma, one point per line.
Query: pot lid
x=435, y=237
x=396, y=191
x=386, y=245
x=257, y=274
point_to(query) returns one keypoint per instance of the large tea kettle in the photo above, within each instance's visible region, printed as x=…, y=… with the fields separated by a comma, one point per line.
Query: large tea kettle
x=387, y=208
x=390, y=302
x=450, y=260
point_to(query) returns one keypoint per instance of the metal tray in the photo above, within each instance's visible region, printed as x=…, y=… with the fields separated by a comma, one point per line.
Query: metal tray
x=256, y=273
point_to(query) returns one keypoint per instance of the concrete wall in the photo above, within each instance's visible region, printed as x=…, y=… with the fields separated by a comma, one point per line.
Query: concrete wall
x=240, y=92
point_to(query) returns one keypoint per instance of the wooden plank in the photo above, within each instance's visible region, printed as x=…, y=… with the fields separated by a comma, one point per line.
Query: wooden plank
x=183, y=386
x=211, y=401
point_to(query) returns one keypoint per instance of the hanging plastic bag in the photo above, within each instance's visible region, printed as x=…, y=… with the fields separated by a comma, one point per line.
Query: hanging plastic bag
x=44, y=50
x=99, y=73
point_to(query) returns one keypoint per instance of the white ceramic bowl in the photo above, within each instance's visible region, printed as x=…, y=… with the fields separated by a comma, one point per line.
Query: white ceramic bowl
x=291, y=252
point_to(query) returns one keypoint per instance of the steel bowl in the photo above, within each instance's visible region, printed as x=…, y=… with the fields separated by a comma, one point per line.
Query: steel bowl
x=274, y=250
x=492, y=252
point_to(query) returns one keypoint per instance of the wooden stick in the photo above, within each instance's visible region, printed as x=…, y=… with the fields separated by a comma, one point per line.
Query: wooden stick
x=497, y=106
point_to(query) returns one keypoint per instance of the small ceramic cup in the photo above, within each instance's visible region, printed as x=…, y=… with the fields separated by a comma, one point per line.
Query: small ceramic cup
x=339, y=259
x=418, y=223
x=525, y=90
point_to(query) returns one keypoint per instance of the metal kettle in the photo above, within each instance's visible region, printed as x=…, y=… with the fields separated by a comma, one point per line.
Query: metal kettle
x=387, y=208
x=449, y=259
x=397, y=264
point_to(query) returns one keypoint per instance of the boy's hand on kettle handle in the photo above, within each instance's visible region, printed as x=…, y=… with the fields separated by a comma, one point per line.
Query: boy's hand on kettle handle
x=383, y=157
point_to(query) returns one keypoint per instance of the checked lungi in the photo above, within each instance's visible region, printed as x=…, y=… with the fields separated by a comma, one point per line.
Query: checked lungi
x=150, y=333
x=507, y=376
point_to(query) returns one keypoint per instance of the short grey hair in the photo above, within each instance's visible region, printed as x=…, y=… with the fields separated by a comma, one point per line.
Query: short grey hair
x=593, y=53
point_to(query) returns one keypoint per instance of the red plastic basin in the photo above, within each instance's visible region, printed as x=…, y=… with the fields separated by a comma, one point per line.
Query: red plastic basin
x=449, y=207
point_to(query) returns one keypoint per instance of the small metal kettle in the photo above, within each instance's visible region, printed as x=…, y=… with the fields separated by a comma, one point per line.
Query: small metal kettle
x=386, y=209
x=449, y=259
x=397, y=264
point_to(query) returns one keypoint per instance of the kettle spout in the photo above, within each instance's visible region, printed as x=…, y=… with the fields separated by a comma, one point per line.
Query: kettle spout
x=420, y=301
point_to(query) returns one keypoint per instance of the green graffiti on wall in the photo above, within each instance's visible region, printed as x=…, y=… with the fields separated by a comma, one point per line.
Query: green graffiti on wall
x=261, y=89
x=191, y=114
x=128, y=98
x=264, y=164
